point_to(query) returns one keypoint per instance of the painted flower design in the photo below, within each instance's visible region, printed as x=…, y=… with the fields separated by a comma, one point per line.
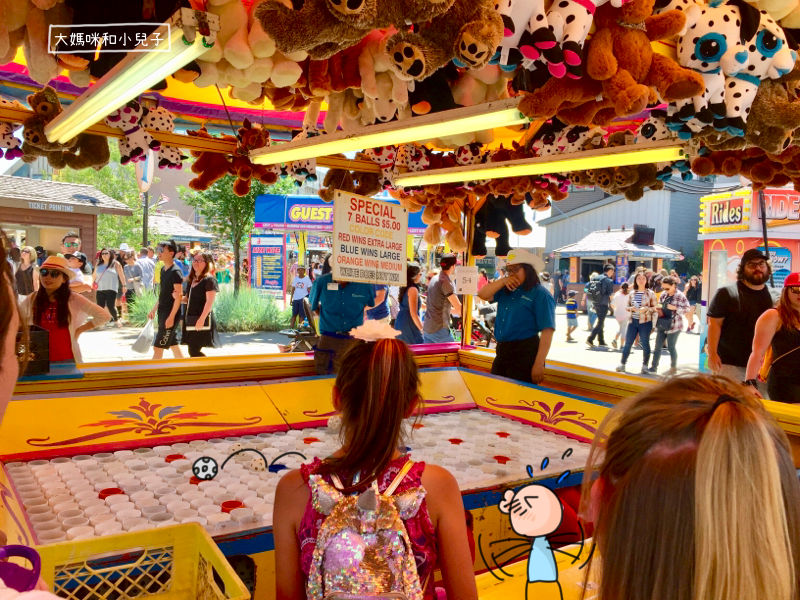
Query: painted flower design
x=147, y=420
x=548, y=415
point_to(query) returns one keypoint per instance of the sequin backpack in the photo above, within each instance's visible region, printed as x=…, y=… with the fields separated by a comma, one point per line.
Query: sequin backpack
x=363, y=551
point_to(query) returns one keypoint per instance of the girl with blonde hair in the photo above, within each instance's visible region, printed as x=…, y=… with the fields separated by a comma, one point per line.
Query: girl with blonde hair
x=694, y=496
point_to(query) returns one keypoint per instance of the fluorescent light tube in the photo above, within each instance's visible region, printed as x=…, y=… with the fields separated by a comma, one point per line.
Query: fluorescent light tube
x=137, y=72
x=653, y=152
x=502, y=113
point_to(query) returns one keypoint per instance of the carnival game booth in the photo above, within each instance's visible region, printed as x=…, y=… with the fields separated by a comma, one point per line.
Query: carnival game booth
x=735, y=222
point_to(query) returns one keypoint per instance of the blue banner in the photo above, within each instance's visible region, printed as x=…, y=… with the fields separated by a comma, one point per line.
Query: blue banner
x=781, y=264
x=267, y=262
x=309, y=213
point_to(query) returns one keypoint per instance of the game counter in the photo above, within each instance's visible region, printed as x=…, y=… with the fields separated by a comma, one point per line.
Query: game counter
x=491, y=433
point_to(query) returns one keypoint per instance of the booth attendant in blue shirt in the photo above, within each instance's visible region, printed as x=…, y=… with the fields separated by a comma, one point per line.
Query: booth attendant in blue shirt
x=526, y=318
x=341, y=307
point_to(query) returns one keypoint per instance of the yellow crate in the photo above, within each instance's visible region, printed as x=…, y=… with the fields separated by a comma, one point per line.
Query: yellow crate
x=170, y=563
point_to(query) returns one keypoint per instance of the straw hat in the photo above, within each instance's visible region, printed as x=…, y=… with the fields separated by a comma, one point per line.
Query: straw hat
x=195, y=250
x=57, y=263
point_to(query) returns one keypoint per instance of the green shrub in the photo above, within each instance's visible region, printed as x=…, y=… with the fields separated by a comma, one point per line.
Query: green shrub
x=249, y=311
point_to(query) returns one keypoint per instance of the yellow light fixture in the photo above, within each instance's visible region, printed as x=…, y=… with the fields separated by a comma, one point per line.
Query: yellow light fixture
x=502, y=113
x=186, y=36
x=653, y=152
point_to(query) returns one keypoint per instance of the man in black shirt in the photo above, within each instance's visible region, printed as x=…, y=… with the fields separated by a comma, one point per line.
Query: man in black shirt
x=733, y=313
x=605, y=288
x=169, y=303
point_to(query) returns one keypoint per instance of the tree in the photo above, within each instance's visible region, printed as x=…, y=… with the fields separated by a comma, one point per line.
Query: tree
x=229, y=216
x=118, y=182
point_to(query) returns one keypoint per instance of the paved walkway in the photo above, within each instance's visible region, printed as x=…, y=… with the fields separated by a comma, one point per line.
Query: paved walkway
x=111, y=343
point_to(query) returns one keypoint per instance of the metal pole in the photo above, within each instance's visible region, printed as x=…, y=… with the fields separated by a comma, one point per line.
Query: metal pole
x=466, y=307
x=763, y=207
x=144, y=220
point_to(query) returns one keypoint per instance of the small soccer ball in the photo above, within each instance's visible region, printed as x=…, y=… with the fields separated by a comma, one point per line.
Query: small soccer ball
x=335, y=423
x=258, y=464
x=235, y=448
x=205, y=468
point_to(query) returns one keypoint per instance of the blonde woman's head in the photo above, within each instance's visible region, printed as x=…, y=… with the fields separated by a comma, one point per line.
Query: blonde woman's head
x=696, y=498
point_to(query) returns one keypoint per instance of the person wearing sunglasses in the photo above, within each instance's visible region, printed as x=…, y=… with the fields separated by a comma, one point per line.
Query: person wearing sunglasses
x=526, y=318
x=62, y=312
x=732, y=316
x=694, y=294
x=778, y=329
x=107, y=279
x=70, y=244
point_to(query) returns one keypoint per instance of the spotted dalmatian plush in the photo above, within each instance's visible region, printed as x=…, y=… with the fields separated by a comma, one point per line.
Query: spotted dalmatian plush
x=714, y=44
x=471, y=154
x=525, y=34
x=577, y=137
x=769, y=57
x=134, y=146
x=306, y=170
x=12, y=144
x=384, y=157
x=662, y=6
x=570, y=21
x=654, y=129
x=160, y=119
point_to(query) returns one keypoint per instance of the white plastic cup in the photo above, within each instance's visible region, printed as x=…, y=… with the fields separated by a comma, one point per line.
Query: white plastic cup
x=192, y=494
x=155, y=485
x=79, y=531
x=240, y=514
x=149, y=511
x=164, y=471
x=263, y=510
x=59, y=508
x=84, y=504
x=108, y=527
x=161, y=519
x=177, y=505
x=70, y=514
x=198, y=502
x=209, y=509
x=165, y=500
x=218, y=518
x=87, y=495
x=180, y=515
x=214, y=491
x=44, y=518
x=101, y=518
x=101, y=509
x=131, y=513
x=56, y=500
x=142, y=495
x=42, y=509
x=134, y=522
x=163, y=491
x=124, y=455
x=226, y=497
x=116, y=499
x=120, y=506
x=147, y=502
x=243, y=495
x=51, y=536
x=68, y=524
x=46, y=526
x=201, y=520
x=152, y=479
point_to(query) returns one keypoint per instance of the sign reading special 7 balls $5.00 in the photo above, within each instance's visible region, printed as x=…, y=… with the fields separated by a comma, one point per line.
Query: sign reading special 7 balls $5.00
x=369, y=240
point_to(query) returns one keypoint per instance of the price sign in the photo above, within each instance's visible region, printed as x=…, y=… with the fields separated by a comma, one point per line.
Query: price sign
x=466, y=282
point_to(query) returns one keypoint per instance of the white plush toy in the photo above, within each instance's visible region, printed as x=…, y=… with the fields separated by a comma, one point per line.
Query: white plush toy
x=134, y=146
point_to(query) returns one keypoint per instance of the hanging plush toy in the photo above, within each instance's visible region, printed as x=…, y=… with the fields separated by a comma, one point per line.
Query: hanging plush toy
x=160, y=119
x=525, y=34
x=134, y=146
x=385, y=157
x=8, y=140
x=306, y=170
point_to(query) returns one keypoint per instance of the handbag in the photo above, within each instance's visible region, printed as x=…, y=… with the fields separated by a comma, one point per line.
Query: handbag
x=191, y=320
x=96, y=283
x=763, y=372
x=664, y=321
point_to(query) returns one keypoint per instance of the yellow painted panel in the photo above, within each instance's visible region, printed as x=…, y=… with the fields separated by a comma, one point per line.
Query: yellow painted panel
x=306, y=401
x=94, y=423
x=12, y=515
x=556, y=412
x=265, y=575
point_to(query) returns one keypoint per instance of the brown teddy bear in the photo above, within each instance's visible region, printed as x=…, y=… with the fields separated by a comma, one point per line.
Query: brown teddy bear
x=81, y=152
x=470, y=31
x=209, y=166
x=250, y=138
x=324, y=27
x=634, y=180
x=621, y=66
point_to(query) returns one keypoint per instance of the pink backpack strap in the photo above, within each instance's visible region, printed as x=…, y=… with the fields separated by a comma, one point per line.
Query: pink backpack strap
x=399, y=478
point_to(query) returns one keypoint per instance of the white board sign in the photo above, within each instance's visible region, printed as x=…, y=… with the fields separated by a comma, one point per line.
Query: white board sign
x=369, y=240
x=466, y=282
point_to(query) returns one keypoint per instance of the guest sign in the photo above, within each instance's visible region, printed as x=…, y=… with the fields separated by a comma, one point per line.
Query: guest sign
x=369, y=240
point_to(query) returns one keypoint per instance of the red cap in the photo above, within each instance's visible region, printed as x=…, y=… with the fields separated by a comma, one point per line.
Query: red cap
x=792, y=280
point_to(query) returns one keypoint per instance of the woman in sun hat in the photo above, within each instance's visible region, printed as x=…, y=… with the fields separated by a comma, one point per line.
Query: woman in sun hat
x=526, y=318
x=62, y=312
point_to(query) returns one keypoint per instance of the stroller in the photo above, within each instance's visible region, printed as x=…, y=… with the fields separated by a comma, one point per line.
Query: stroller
x=305, y=337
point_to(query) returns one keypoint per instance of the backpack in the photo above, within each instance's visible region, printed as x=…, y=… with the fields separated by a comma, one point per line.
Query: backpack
x=594, y=290
x=363, y=551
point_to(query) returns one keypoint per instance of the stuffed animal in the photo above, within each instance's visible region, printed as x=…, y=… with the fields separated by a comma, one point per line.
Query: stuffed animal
x=633, y=181
x=525, y=35
x=160, y=119
x=501, y=210
x=134, y=146
x=8, y=140
x=336, y=179
x=302, y=170
x=208, y=166
x=385, y=158
x=470, y=31
x=325, y=27
x=250, y=138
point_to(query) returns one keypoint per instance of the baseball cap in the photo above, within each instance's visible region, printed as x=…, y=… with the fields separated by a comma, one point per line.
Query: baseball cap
x=124, y=247
x=518, y=256
x=792, y=280
x=753, y=254
x=571, y=293
x=609, y=267
x=79, y=255
x=447, y=261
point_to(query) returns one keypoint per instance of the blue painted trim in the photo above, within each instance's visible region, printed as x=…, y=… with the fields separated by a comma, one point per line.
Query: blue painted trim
x=433, y=369
x=250, y=542
x=538, y=387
